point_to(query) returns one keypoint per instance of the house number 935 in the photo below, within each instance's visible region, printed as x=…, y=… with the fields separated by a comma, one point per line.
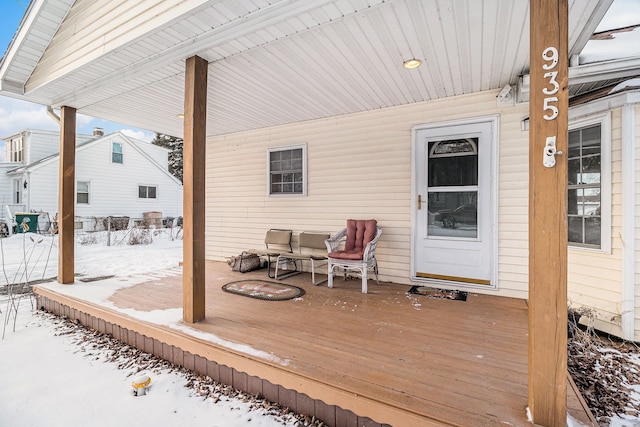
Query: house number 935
x=550, y=56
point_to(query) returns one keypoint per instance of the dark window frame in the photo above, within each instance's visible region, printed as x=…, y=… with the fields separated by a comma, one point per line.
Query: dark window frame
x=144, y=192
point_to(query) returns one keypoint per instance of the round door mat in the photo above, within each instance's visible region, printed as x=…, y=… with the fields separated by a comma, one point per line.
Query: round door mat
x=263, y=289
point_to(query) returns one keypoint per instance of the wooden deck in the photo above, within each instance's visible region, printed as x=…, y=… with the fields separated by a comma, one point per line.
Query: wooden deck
x=392, y=358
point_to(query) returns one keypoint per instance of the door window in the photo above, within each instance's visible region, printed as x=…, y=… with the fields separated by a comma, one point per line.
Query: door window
x=453, y=188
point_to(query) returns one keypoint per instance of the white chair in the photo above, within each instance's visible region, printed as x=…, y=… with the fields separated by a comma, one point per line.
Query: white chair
x=360, y=243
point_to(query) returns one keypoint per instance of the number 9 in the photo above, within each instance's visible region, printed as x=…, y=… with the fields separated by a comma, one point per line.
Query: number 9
x=550, y=54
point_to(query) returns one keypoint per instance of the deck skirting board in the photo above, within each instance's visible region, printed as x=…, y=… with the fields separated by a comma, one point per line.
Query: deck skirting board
x=331, y=415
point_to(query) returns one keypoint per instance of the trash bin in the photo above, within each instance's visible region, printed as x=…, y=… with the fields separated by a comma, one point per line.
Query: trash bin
x=27, y=222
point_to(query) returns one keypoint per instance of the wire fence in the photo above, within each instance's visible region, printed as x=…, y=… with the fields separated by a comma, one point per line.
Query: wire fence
x=91, y=229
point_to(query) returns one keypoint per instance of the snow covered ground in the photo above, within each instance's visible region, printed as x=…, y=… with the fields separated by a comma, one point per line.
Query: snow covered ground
x=48, y=378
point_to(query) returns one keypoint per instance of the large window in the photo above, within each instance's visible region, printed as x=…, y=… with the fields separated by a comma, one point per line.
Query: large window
x=588, y=194
x=17, y=150
x=82, y=192
x=116, y=152
x=147, y=192
x=287, y=171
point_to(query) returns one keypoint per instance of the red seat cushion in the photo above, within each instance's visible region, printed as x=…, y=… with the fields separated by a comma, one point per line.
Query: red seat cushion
x=359, y=233
x=346, y=255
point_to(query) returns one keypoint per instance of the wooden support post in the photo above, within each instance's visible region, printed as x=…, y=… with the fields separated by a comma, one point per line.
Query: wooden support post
x=195, y=116
x=548, y=136
x=66, y=195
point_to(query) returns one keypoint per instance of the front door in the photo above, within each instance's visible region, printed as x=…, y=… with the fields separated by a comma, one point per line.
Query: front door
x=454, y=212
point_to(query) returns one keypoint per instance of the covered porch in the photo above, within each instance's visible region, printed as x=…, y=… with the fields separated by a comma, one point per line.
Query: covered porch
x=212, y=70
x=350, y=359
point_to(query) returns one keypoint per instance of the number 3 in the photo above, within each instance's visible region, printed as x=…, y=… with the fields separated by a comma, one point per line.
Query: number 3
x=552, y=79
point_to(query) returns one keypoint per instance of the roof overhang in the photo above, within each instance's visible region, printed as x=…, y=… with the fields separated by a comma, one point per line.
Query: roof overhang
x=269, y=64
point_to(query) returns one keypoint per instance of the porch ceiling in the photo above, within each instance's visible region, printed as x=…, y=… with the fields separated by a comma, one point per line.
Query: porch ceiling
x=279, y=62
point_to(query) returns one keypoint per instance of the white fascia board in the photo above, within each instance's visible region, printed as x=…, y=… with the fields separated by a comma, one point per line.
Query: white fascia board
x=604, y=104
x=606, y=70
x=21, y=34
x=8, y=87
x=629, y=204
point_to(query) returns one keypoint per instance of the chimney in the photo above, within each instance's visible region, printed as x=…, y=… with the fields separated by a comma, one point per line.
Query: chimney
x=98, y=132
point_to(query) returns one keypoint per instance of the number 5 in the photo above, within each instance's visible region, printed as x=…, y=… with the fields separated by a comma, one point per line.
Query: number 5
x=547, y=106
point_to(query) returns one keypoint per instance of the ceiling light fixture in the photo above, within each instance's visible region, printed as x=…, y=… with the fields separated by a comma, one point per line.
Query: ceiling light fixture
x=181, y=116
x=410, y=64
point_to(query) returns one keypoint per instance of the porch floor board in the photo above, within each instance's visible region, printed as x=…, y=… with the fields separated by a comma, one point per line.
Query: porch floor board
x=399, y=359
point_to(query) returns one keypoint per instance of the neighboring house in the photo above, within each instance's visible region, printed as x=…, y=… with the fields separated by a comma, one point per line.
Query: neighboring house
x=115, y=176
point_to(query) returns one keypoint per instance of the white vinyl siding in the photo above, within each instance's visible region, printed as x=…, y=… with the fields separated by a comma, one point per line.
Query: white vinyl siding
x=159, y=154
x=6, y=188
x=594, y=276
x=113, y=187
x=359, y=166
x=38, y=144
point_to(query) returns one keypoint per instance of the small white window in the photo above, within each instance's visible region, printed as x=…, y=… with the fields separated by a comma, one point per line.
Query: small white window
x=147, y=192
x=116, y=152
x=17, y=150
x=589, y=184
x=287, y=170
x=17, y=191
x=82, y=192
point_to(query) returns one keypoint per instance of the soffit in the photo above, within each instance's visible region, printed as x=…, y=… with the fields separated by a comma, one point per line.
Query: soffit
x=37, y=28
x=273, y=63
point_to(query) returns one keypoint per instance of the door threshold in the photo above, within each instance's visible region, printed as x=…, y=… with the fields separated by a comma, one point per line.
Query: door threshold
x=466, y=280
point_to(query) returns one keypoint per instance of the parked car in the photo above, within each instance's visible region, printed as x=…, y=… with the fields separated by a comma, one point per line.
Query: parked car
x=463, y=214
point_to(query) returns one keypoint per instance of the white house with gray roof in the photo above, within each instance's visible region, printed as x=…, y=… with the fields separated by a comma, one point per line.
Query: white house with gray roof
x=116, y=175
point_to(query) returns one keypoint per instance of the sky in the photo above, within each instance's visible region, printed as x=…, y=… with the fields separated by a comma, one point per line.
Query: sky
x=622, y=13
x=16, y=115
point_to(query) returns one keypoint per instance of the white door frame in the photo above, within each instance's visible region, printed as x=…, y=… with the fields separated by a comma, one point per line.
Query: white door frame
x=493, y=120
